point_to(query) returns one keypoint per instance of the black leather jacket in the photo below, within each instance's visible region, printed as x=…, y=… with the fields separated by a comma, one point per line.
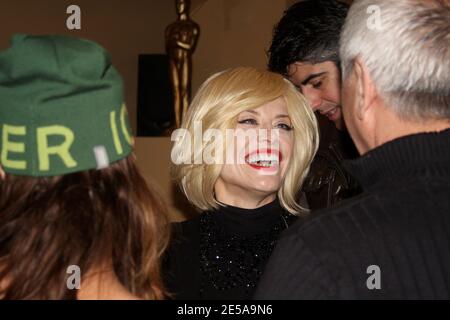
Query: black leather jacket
x=328, y=182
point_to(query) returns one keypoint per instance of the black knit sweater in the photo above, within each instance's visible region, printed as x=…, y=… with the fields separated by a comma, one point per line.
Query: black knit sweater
x=400, y=224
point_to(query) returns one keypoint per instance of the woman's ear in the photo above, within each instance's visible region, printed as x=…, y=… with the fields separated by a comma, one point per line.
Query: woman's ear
x=2, y=173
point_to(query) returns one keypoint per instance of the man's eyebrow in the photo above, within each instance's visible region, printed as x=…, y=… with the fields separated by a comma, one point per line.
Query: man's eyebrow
x=312, y=76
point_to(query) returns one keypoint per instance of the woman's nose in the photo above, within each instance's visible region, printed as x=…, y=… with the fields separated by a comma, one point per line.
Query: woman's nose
x=268, y=135
x=265, y=127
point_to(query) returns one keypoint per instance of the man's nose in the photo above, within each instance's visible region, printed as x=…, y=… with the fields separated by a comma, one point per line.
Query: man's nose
x=313, y=97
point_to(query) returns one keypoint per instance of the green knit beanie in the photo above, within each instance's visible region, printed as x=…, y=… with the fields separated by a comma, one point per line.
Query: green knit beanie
x=61, y=107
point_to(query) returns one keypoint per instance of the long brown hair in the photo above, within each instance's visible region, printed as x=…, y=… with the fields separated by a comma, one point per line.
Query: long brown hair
x=83, y=219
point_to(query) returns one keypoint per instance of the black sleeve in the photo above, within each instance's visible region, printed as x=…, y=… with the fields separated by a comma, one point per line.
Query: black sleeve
x=170, y=263
x=181, y=263
x=294, y=272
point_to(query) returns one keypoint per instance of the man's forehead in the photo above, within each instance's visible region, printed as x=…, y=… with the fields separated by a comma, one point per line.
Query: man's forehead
x=299, y=71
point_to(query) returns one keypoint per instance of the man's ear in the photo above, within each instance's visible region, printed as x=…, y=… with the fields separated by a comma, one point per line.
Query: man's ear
x=365, y=89
x=2, y=173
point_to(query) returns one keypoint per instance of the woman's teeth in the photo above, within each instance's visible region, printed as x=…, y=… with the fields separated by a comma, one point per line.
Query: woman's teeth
x=263, y=160
x=264, y=163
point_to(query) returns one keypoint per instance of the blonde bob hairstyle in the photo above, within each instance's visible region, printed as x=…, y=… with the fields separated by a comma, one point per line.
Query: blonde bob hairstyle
x=216, y=105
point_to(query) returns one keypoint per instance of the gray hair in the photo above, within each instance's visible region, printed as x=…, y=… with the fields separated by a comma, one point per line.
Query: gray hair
x=408, y=57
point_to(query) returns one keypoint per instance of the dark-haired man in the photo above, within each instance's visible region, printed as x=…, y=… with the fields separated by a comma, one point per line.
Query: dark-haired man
x=305, y=49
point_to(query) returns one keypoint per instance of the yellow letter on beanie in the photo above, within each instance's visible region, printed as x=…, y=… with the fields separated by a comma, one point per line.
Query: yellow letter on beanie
x=44, y=151
x=115, y=133
x=123, y=117
x=12, y=146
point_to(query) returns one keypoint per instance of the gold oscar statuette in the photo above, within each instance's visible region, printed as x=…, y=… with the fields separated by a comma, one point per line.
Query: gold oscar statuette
x=181, y=40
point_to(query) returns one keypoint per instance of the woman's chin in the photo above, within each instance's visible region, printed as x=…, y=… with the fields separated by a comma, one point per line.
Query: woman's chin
x=263, y=178
x=266, y=185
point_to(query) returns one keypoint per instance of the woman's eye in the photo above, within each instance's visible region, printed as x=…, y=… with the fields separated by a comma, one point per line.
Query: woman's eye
x=248, y=121
x=284, y=126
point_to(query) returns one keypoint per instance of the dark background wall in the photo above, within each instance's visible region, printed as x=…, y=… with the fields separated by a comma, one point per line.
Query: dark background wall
x=125, y=28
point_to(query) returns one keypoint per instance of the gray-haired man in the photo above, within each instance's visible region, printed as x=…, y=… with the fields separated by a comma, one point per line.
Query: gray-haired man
x=393, y=240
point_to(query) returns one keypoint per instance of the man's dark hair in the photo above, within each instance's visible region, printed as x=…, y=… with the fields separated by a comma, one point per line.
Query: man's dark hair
x=308, y=31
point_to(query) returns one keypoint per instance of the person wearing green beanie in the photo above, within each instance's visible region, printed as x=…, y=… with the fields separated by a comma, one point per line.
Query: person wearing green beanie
x=72, y=197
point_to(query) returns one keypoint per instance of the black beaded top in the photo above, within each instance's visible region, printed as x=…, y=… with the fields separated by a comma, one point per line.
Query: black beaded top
x=222, y=254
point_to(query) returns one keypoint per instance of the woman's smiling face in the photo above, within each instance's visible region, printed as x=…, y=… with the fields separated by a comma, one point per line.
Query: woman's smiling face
x=261, y=162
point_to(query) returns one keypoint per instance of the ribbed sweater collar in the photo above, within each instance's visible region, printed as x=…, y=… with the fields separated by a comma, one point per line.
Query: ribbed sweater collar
x=408, y=156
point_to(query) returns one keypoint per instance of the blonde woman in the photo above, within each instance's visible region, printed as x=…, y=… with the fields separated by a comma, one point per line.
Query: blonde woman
x=246, y=186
